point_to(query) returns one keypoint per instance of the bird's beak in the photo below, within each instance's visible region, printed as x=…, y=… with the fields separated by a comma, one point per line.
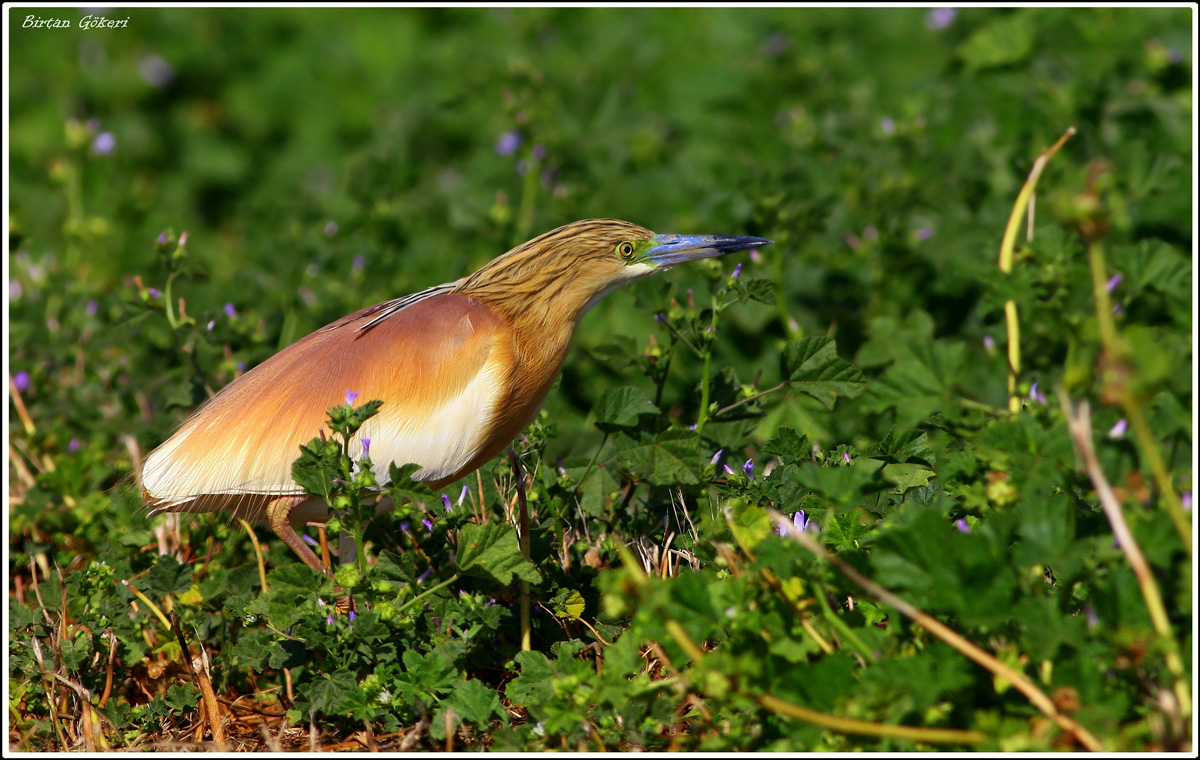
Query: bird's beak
x=669, y=250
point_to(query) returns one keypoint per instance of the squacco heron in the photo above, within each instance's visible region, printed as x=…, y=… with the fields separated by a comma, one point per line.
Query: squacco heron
x=461, y=368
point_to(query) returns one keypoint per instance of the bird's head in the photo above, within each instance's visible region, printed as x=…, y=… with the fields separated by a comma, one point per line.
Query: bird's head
x=571, y=268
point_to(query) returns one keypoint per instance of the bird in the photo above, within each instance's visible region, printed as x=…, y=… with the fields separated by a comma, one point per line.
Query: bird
x=461, y=369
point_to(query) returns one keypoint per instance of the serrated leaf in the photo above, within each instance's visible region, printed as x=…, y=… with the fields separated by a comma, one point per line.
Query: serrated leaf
x=671, y=458
x=568, y=604
x=621, y=408
x=492, y=551
x=813, y=366
x=1002, y=41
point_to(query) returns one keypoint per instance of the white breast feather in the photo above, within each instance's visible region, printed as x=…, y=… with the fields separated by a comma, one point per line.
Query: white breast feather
x=443, y=442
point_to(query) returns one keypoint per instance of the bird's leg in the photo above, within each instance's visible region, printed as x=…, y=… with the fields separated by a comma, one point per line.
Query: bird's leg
x=279, y=517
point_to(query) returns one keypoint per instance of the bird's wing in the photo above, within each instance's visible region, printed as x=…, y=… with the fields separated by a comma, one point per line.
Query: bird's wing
x=441, y=365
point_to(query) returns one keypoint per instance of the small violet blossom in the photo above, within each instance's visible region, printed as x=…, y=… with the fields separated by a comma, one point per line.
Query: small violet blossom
x=446, y=502
x=717, y=457
x=21, y=380
x=92, y=307
x=350, y=396
x=989, y=343
x=846, y=457
x=428, y=525
x=104, y=144
x=925, y=233
x=154, y=292
x=366, y=444
x=508, y=143
x=311, y=542
x=801, y=521
x=962, y=526
x=1186, y=501
x=331, y=229
x=230, y=311
x=736, y=271
x=1118, y=430
x=463, y=496
x=425, y=575
x=1093, y=619
x=1034, y=395
x=359, y=261
x=748, y=468
x=73, y=446
x=1113, y=282
x=887, y=125
x=940, y=18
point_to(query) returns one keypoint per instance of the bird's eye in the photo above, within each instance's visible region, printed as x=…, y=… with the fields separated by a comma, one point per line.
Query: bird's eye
x=625, y=250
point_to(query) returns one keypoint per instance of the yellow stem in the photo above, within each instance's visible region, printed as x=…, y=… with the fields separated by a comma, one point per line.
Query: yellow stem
x=1007, y=245
x=943, y=632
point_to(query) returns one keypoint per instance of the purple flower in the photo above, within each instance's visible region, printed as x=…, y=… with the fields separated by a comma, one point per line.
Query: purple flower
x=155, y=71
x=925, y=233
x=14, y=290
x=846, y=457
x=350, y=396
x=940, y=18
x=736, y=271
x=163, y=239
x=320, y=601
x=1034, y=395
x=887, y=125
x=428, y=525
x=748, y=468
x=352, y=615
x=446, y=502
x=755, y=256
x=183, y=238
x=727, y=470
x=21, y=380
x=1114, y=281
x=425, y=575
x=403, y=527
x=104, y=143
x=539, y=151
x=463, y=496
x=359, y=260
x=230, y=311
x=717, y=457
x=801, y=521
x=366, y=444
x=92, y=307
x=508, y=143
x=241, y=366
x=962, y=526
x=331, y=228
x=1186, y=501
x=1117, y=309
x=989, y=343
x=329, y=619
x=154, y=292
x=311, y=542
x=73, y=446
x=1093, y=619
x=1118, y=430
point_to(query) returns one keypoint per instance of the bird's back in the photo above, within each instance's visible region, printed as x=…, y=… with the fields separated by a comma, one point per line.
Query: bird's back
x=440, y=364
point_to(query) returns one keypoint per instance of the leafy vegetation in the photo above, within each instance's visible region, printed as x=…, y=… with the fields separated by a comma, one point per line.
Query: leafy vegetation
x=790, y=500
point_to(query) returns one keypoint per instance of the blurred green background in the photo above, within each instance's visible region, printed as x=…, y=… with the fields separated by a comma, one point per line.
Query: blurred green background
x=326, y=159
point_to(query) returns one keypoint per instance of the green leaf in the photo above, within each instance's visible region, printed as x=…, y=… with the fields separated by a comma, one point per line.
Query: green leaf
x=671, y=458
x=813, y=366
x=568, y=604
x=1003, y=41
x=621, y=408
x=476, y=703
x=491, y=551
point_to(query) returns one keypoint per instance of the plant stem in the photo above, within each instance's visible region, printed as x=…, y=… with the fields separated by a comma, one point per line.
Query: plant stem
x=945, y=633
x=1118, y=351
x=1079, y=422
x=427, y=592
x=1006, y=263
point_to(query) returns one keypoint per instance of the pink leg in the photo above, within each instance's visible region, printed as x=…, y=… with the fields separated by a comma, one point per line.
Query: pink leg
x=279, y=517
